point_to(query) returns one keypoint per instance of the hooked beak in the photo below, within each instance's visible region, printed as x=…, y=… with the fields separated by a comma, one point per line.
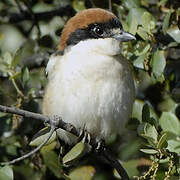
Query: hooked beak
x=124, y=36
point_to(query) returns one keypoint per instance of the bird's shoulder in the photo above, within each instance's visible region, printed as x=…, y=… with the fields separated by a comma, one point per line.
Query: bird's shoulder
x=127, y=64
x=56, y=56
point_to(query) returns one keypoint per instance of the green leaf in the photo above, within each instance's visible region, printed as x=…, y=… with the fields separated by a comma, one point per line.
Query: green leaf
x=149, y=132
x=131, y=3
x=149, y=151
x=166, y=22
x=137, y=13
x=145, y=113
x=141, y=50
x=131, y=168
x=74, y=153
x=132, y=23
x=1, y=36
x=125, y=25
x=134, y=19
x=139, y=62
x=26, y=76
x=6, y=173
x=7, y=58
x=174, y=146
x=142, y=33
x=162, y=141
x=162, y=161
x=148, y=22
x=79, y=5
x=174, y=32
x=130, y=149
x=111, y=139
x=41, y=136
x=154, y=122
x=52, y=162
x=17, y=57
x=167, y=105
x=83, y=173
x=42, y=6
x=15, y=76
x=162, y=2
x=27, y=172
x=137, y=110
x=158, y=63
x=11, y=149
x=51, y=146
x=2, y=114
x=3, y=67
x=170, y=123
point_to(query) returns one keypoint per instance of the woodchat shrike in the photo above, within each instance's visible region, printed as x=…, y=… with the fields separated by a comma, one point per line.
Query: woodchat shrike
x=90, y=84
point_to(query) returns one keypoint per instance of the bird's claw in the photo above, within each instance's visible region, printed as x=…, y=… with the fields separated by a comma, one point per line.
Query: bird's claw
x=61, y=153
x=100, y=146
x=84, y=136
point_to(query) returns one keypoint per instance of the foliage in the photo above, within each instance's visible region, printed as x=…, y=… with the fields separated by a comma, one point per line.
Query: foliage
x=149, y=148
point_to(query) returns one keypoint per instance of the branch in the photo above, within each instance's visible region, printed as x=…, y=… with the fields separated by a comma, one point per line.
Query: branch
x=57, y=122
x=110, y=5
x=115, y=164
x=26, y=15
x=33, y=151
x=24, y=113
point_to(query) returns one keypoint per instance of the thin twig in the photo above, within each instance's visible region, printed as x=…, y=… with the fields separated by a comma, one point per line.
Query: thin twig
x=17, y=88
x=115, y=163
x=35, y=21
x=57, y=122
x=92, y=3
x=33, y=151
x=19, y=6
x=61, y=11
x=24, y=113
x=110, y=5
x=20, y=93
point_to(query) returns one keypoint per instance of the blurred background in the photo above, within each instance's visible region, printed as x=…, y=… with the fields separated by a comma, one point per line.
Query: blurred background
x=149, y=149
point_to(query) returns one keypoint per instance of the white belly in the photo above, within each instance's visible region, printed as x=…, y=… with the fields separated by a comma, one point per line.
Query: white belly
x=95, y=93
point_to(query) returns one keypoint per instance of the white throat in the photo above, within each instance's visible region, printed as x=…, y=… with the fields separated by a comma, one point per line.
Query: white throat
x=107, y=46
x=90, y=88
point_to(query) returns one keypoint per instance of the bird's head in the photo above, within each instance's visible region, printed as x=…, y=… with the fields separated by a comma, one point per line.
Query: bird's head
x=93, y=24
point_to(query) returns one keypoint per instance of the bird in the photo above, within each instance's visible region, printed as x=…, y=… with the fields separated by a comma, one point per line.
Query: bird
x=90, y=84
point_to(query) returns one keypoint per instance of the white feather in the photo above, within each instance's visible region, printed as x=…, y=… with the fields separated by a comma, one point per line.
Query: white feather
x=51, y=64
x=91, y=88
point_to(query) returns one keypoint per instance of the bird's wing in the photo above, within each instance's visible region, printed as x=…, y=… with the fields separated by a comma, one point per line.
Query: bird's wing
x=52, y=61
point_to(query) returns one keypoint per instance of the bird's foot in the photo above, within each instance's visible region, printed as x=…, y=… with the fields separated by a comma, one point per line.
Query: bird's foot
x=100, y=146
x=61, y=153
x=84, y=136
x=97, y=146
x=62, y=150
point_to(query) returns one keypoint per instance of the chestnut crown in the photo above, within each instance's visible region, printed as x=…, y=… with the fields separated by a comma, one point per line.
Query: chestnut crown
x=92, y=24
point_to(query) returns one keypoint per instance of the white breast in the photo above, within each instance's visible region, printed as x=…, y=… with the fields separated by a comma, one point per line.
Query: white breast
x=92, y=91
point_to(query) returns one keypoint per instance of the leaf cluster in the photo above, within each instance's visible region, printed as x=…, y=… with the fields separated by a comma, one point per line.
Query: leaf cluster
x=150, y=146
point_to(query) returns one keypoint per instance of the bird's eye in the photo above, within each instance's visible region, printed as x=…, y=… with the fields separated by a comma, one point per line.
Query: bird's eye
x=97, y=30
